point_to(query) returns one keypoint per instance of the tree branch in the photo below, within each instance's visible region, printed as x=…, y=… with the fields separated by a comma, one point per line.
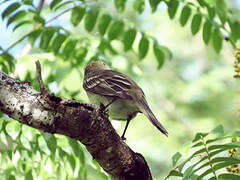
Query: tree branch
x=40, y=6
x=80, y=121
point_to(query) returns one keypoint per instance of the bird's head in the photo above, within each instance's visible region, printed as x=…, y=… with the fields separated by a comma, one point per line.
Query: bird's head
x=96, y=65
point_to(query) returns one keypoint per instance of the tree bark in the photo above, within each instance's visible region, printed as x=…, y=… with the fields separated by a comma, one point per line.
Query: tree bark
x=79, y=121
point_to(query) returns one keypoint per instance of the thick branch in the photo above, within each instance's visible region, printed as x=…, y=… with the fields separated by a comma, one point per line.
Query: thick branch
x=80, y=121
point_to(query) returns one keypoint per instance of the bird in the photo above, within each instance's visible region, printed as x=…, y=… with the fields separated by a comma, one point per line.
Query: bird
x=118, y=93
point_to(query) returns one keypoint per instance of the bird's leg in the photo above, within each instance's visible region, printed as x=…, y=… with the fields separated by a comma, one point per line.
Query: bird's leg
x=126, y=126
x=125, y=129
x=110, y=103
x=103, y=108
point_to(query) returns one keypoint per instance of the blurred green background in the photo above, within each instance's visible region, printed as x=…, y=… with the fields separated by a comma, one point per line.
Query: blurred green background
x=193, y=92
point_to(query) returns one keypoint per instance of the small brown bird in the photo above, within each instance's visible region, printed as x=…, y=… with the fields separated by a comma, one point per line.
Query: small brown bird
x=118, y=93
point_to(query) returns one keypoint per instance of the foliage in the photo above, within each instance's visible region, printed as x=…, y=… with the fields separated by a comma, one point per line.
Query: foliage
x=27, y=152
x=74, y=32
x=215, y=16
x=209, y=157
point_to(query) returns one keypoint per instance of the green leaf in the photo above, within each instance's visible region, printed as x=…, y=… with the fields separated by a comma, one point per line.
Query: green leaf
x=222, y=15
x=38, y=19
x=34, y=35
x=103, y=45
x=27, y=2
x=10, y=60
x=128, y=38
x=230, y=161
x=220, y=160
x=226, y=176
x=42, y=146
x=58, y=41
x=77, y=15
x=81, y=156
x=199, y=136
x=61, y=152
x=28, y=175
x=46, y=37
x=51, y=142
x=159, y=54
x=213, y=178
x=11, y=177
x=80, y=55
x=13, y=129
x=202, y=3
x=185, y=14
x=175, y=158
x=207, y=30
x=10, y=9
x=197, y=144
x=154, y=4
x=222, y=10
x=225, y=146
x=227, y=136
x=54, y=3
x=218, y=130
x=139, y=6
x=143, y=46
x=91, y=18
x=74, y=145
x=16, y=16
x=235, y=29
x=187, y=173
x=196, y=23
x=68, y=50
x=211, y=12
x=63, y=4
x=4, y=67
x=1, y=121
x=172, y=8
x=72, y=162
x=235, y=160
x=217, y=40
x=167, y=52
x=25, y=143
x=21, y=24
x=115, y=29
x=4, y=124
x=120, y=5
x=103, y=23
x=174, y=173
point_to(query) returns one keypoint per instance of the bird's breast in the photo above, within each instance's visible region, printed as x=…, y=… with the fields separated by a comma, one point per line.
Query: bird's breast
x=120, y=109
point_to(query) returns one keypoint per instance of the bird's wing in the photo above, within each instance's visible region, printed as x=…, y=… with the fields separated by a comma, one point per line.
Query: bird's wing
x=108, y=83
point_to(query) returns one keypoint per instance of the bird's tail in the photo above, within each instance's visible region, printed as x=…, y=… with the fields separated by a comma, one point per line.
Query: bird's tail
x=148, y=112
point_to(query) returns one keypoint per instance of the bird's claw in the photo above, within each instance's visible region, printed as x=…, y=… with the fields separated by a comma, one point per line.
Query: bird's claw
x=123, y=138
x=103, y=110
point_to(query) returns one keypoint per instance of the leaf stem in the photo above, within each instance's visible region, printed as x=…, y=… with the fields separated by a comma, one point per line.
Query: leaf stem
x=40, y=6
x=60, y=14
x=209, y=158
x=16, y=42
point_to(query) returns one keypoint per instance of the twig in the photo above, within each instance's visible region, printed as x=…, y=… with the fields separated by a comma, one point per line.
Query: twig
x=27, y=48
x=43, y=90
x=17, y=42
x=60, y=14
x=40, y=6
